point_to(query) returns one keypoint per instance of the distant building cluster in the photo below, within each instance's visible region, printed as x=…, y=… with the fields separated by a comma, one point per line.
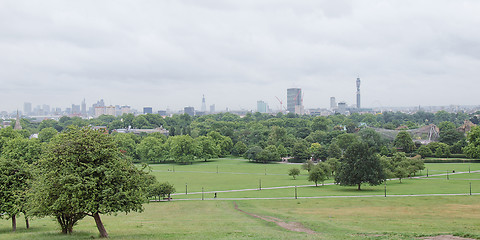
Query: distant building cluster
x=294, y=104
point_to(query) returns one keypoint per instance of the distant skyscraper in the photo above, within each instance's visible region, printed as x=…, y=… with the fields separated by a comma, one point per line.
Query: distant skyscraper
x=84, y=108
x=261, y=106
x=212, y=108
x=75, y=109
x=333, y=103
x=342, y=107
x=358, y=93
x=294, y=99
x=147, y=110
x=27, y=108
x=189, y=110
x=46, y=109
x=204, y=106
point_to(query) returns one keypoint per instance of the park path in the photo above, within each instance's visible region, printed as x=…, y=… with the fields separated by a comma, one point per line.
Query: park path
x=292, y=226
x=317, y=197
x=312, y=185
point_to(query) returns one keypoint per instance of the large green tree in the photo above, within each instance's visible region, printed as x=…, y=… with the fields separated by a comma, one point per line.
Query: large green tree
x=83, y=174
x=472, y=150
x=404, y=141
x=207, y=148
x=150, y=149
x=14, y=176
x=319, y=173
x=182, y=148
x=360, y=165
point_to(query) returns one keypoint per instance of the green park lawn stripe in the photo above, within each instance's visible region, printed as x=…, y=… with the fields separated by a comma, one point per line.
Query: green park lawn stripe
x=352, y=218
x=336, y=218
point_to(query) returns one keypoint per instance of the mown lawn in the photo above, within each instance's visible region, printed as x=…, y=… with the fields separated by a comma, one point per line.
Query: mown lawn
x=348, y=218
x=332, y=218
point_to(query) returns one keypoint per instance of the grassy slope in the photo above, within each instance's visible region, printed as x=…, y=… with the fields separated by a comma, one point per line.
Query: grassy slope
x=400, y=217
x=355, y=218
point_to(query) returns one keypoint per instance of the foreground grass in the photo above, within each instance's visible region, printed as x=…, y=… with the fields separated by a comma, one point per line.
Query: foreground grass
x=345, y=218
x=355, y=218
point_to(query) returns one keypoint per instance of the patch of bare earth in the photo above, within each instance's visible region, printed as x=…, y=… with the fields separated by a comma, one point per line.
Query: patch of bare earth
x=291, y=226
x=446, y=237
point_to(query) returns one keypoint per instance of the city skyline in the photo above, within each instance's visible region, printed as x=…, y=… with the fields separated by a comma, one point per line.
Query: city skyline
x=168, y=54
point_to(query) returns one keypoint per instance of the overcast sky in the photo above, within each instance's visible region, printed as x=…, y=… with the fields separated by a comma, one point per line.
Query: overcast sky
x=168, y=53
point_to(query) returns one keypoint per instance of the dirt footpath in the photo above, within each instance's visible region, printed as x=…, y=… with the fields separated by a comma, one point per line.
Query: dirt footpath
x=291, y=226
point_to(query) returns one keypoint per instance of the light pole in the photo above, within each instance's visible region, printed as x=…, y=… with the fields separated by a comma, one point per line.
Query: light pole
x=385, y=188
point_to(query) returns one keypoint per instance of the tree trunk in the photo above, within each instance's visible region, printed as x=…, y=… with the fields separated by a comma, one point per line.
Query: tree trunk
x=27, y=224
x=14, y=223
x=316, y=184
x=359, y=186
x=100, y=227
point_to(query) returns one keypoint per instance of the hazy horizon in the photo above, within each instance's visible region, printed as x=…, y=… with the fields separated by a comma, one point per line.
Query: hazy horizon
x=167, y=54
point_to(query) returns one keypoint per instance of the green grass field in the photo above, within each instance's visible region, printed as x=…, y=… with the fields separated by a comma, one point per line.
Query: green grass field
x=340, y=217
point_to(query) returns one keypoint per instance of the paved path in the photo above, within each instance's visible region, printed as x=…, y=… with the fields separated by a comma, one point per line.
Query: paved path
x=317, y=197
x=349, y=196
x=312, y=185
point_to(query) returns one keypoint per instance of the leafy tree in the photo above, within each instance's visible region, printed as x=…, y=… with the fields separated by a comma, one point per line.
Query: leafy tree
x=268, y=154
x=308, y=165
x=319, y=173
x=207, y=148
x=321, y=123
x=360, y=165
x=239, y=149
x=372, y=138
x=46, y=134
x=439, y=149
x=334, y=165
x=150, y=149
x=294, y=172
x=24, y=149
x=318, y=152
x=300, y=151
x=334, y=151
x=282, y=151
x=451, y=136
x=404, y=141
x=345, y=140
x=318, y=137
x=415, y=164
x=161, y=190
x=400, y=165
x=82, y=174
x=14, y=176
x=458, y=146
x=251, y=153
x=182, y=148
x=7, y=134
x=424, y=151
x=128, y=147
x=446, y=125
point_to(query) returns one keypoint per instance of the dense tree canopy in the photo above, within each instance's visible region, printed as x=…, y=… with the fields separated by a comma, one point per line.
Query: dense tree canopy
x=360, y=165
x=82, y=174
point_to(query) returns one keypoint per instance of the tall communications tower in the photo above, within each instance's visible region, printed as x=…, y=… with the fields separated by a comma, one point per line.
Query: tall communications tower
x=204, y=105
x=358, y=92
